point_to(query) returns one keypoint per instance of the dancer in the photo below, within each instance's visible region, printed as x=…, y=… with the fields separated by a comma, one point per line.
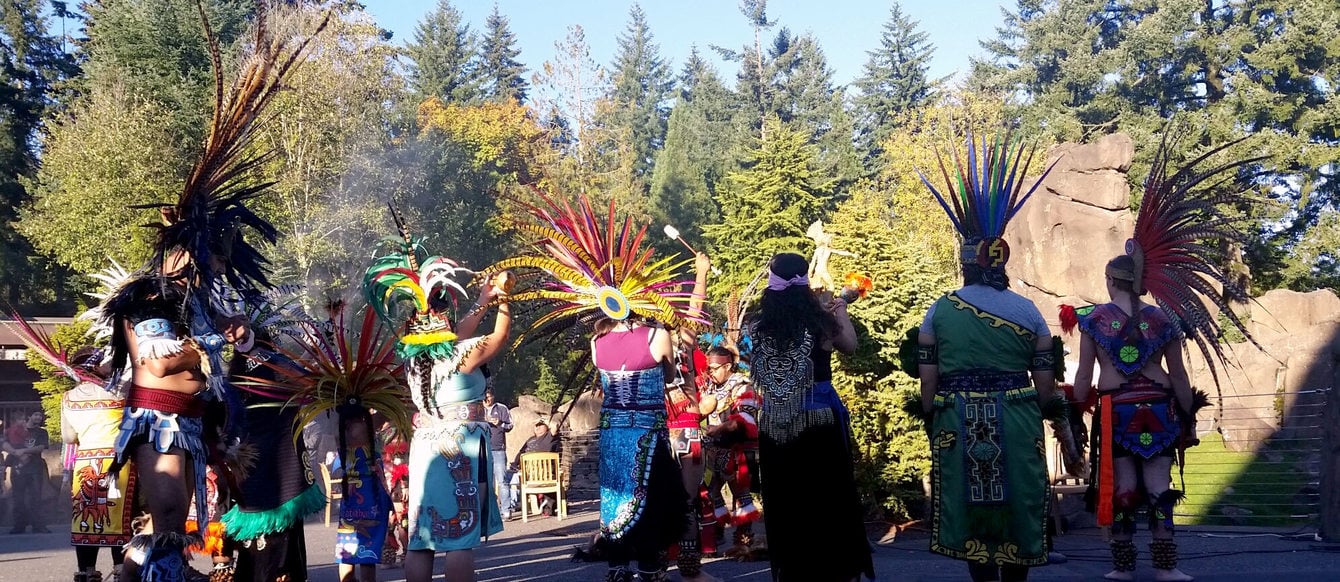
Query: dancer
x=348, y=370
x=802, y=431
x=732, y=451
x=365, y=504
x=279, y=490
x=686, y=410
x=90, y=419
x=168, y=325
x=978, y=346
x=597, y=275
x=1146, y=408
x=451, y=499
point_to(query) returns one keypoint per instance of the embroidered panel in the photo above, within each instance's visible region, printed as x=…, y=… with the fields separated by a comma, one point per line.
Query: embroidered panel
x=983, y=450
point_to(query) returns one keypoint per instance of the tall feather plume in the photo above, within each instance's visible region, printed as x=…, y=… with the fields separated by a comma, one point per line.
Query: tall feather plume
x=576, y=253
x=209, y=214
x=1177, y=230
x=40, y=343
x=985, y=190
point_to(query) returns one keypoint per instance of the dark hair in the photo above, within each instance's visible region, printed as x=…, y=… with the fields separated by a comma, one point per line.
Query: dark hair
x=976, y=275
x=604, y=325
x=721, y=351
x=788, y=313
x=1126, y=263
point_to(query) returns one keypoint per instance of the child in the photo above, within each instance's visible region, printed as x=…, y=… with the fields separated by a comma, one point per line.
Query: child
x=395, y=455
x=366, y=507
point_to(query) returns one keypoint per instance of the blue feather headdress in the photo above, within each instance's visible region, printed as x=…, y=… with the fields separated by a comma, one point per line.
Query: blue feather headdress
x=983, y=194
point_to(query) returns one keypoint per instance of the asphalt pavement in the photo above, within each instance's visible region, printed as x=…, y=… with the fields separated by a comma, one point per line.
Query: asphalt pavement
x=540, y=550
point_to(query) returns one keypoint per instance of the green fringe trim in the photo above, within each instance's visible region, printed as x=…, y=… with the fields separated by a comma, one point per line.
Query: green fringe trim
x=249, y=525
x=437, y=351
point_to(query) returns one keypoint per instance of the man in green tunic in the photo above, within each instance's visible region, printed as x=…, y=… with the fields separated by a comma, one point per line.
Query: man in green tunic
x=977, y=348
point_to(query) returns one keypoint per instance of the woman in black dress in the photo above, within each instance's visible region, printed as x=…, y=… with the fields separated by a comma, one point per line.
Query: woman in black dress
x=812, y=512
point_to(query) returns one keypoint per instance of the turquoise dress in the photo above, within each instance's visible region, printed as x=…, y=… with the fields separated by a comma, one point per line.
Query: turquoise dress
x=451, y=505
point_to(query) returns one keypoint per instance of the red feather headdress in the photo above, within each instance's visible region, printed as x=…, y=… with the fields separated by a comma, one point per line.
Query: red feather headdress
x=1175, y=244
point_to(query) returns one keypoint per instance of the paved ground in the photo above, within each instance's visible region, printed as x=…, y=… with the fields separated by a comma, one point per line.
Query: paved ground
x=539, y=551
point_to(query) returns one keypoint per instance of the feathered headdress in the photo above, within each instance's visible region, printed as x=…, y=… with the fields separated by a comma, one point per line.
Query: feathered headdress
x=983, y=195
x=590, y=267
x=110, y=280
x=40, y=343
x=207, y=219
x=330, y=369
x=1175, y=245
x=410, y=276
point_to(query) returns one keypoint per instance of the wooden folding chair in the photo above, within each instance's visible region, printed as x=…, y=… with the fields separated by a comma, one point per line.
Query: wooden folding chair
x=542, y=473
x=334, y=490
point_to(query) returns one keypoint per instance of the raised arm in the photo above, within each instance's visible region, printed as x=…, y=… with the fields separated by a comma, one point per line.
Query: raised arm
x=493, y=343
x=845, y=340
x=702, y=265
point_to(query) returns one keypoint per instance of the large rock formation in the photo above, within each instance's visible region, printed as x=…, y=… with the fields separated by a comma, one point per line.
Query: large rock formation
x=1073, y=224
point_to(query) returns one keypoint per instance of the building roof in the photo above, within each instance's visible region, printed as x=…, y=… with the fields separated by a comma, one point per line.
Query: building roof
x=9, y=339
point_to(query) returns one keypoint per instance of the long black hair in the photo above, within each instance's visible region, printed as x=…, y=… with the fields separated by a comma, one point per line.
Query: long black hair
x=786, y=314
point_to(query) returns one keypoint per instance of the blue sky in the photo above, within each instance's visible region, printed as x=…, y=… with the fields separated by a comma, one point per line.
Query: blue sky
x=845, y=28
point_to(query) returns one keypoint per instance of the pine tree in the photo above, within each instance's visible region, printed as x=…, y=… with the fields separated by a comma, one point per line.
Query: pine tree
x=765, y=206
x=895, y=80
x=1226, y=70
x=32, y=70
x=696, y=156
x=638, y=98
x=503, y=76
x=156, y=50
x=443, y=57
x=752, y=81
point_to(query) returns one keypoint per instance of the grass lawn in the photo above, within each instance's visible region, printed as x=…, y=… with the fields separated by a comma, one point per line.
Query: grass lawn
x=1267, y=483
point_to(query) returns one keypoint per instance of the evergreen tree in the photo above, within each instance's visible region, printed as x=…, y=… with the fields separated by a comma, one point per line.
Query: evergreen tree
x=443, y=57
x=33, y=67
x=1227, y=70
x=765, y=207
x=752, y=81
x=895, y=80
x=696, y=156
x=503, y=76
x=156, y=51
x=805, y=97
x=638, y=99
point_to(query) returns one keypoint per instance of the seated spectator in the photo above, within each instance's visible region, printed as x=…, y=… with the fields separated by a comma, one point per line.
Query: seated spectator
x=543, y=442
